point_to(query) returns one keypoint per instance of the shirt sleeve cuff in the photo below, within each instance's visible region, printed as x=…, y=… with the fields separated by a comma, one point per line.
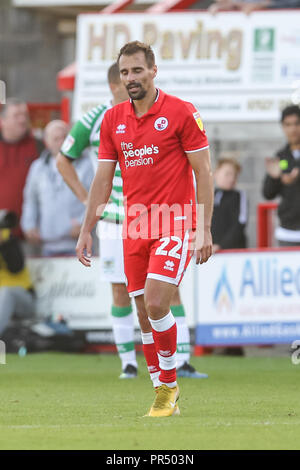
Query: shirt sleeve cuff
x=197, y=150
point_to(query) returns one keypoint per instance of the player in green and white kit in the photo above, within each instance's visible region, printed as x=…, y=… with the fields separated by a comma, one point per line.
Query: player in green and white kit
x=85, y=135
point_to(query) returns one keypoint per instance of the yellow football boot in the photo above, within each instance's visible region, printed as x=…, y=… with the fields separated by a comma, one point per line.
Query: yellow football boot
x=165, y=403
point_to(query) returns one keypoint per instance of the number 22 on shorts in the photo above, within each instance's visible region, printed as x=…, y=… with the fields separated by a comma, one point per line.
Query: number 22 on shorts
x=173, y=253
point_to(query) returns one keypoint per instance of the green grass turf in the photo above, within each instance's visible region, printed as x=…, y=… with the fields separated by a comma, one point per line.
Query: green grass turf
x=62, y=401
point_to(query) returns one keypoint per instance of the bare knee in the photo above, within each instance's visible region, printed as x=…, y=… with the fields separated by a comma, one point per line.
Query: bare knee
x=158, y=296
x=156, y=308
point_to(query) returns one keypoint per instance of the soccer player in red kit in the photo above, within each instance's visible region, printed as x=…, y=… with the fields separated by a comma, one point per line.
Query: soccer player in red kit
x=158, y=141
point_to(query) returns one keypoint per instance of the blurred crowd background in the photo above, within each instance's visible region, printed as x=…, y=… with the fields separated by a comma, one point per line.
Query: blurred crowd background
x=38, y=40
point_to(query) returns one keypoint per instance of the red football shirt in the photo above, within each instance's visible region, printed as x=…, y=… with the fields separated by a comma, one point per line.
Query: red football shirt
x=154, y=166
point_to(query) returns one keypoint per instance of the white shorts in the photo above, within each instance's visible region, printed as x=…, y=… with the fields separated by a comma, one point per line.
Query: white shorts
x=111, y=252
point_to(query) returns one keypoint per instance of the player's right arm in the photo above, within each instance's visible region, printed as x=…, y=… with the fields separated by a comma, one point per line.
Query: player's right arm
x=99, y=192
x=97, y=199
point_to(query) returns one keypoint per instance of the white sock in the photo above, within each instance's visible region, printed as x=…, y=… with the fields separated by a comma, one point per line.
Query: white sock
x=163, y=324
x=183, y=341
x=123, y=330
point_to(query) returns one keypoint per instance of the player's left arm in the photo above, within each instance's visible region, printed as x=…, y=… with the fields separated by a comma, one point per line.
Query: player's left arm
x=201, y=164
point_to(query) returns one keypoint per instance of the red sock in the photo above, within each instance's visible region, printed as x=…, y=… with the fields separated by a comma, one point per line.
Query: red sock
x=151, y=358
x=166, y=345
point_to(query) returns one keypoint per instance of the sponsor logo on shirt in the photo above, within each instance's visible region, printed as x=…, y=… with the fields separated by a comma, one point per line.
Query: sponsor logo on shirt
x=198, y=120
x=121, y=129
x=169, y=265
x=140, y=156
x=68, y=142
x=161, y=124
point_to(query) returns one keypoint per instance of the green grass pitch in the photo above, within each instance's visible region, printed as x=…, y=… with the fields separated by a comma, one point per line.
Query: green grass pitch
x=63, y=401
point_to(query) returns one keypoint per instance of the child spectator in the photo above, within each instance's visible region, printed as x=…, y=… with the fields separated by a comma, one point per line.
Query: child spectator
x=229, y=217
x=230, y=208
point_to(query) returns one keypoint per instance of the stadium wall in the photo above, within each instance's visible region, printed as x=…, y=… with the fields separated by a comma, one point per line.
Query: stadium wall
x=32, y=52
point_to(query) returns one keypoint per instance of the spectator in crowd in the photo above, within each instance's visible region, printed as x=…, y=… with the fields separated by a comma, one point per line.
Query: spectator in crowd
x=247, y=6
x=230, y=207
x=18, y=149
x=16, y=290
x=283, y=179
x=52, y=215
x=229, y=217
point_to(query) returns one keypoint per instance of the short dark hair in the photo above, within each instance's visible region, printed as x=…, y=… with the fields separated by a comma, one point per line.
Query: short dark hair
x=290, y=110
x=10, y=102
x=113, y=74
x=136, y=46
x=229, y=161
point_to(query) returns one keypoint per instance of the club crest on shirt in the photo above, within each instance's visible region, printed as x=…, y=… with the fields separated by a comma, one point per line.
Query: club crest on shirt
x=161, y=123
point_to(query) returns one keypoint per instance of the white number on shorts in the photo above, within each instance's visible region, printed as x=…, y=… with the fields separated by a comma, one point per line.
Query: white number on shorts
x=173, y=253
x=160, y=250
x=176, y=248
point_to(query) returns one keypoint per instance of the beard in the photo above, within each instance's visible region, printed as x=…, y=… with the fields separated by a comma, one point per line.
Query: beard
x=138, y=94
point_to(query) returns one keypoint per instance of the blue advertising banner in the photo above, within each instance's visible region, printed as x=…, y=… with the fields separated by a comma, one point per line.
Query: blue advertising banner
x=249, y=297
